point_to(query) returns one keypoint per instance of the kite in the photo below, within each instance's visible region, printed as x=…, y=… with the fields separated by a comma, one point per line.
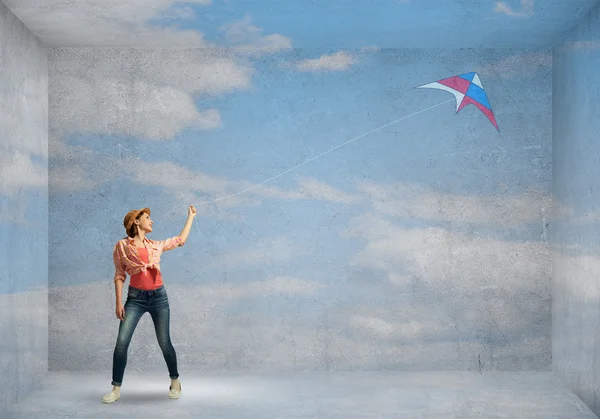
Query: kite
x=468, y=90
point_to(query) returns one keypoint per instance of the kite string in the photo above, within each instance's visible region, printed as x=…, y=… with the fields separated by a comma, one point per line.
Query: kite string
x=326, y=152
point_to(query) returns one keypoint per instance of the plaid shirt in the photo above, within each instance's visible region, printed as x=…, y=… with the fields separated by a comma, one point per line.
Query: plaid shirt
x=127, y=258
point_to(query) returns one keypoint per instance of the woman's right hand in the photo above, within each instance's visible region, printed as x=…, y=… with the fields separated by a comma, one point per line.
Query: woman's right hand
x=120, y=312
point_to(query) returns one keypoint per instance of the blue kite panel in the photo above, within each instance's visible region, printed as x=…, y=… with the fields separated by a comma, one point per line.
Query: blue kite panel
x=478, y=94
x=468, y=76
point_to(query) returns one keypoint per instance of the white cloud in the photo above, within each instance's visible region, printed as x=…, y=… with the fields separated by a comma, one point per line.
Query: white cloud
x=588, y=217
x=592, y=44
x=70, y=178
x=187, y=186
x=411, y=200
x=106, y=23
x=196, y=187
x=370, y=48
x=580, y=272
x=144, y=93
x=18, y=171
x=560, y=210
x=20, y=311
x=448, y=260
x=297, y=335
x=158, y=112
x=116, y=23
x=264, y=252
x=409, y=330
x=24, y=120
x=13, y=211
x=564, y=212
x=334, y=62
x=567, y=214
x=526, y=9
x=314, y=189
x=180, y=12
x=246, y=37
x=283, y=285
x=309, y=188
x=400, y=280
x=446, y=285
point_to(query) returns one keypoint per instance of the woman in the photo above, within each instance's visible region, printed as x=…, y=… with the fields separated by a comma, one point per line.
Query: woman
x=139, y=256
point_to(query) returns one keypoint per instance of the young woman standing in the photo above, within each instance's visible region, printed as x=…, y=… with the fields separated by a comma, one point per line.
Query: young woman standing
x=139, y=257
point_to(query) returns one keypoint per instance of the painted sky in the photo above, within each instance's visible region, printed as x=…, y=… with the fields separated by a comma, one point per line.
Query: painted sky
x=285, y=110
x=270, y=24
x=407, y=233
x=575, y=130
x=428, y=225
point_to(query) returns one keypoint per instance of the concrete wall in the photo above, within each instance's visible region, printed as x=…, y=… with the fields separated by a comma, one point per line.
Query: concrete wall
x=419, y=246
x=576, y=154
x=23, y=209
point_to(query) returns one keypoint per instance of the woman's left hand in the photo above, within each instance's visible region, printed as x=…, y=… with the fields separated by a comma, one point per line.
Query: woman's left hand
x=191, y=212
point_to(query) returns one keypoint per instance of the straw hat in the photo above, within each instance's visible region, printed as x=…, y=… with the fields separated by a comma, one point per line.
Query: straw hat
x=132, y=215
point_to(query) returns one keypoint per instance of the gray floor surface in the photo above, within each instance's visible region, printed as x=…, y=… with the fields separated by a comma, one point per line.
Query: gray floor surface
x=355, y=394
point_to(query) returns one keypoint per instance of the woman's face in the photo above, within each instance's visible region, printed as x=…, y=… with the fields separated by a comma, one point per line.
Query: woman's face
x=145, y=223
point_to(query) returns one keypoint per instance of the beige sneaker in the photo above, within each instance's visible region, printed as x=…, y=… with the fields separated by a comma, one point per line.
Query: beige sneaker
x=174, y=393
x=111, y=397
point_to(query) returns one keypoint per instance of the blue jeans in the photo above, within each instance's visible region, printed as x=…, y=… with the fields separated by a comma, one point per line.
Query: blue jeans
x=139, y=302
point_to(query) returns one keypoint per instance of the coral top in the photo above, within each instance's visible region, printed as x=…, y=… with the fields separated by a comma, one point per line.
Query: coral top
x=142, y=264
x=150, y=279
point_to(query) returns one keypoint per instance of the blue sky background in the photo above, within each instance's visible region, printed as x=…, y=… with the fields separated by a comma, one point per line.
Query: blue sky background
x=429, y=234
x=287, y=116
x=348, y=250
x=422, y=245
x=435, y=224
x=352, y=24
x=305, y=25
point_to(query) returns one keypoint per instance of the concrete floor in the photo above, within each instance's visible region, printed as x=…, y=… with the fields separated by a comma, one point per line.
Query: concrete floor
x=412, y=395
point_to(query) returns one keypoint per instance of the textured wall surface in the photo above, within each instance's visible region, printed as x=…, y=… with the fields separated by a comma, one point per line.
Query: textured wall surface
x=422, y=245
x=576, y=151
x=333, y=24
x=23, y=209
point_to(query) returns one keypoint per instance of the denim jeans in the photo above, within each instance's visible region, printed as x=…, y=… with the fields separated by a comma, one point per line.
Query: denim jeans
x=139, y=302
